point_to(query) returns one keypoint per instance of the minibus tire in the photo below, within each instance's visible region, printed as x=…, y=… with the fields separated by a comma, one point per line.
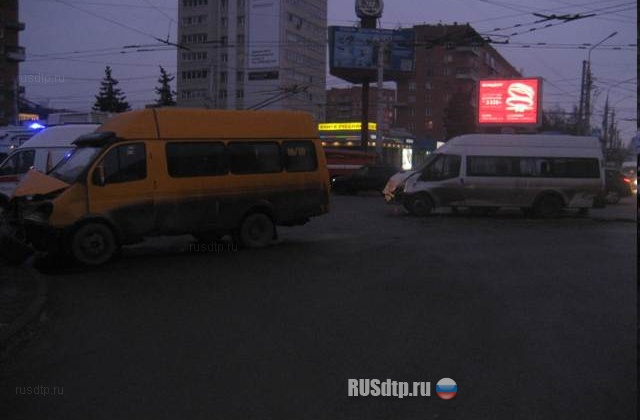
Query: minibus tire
x=93, y=244
x=548, y=206
x=256, y=231
x=418, y=205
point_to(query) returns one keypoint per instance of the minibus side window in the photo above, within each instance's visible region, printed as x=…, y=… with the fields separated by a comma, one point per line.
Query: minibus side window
x=125, y=163
x=299, y=156
x=196, y=159
x=255, y=158
x=493, y=166
x=575, y=168
x=444, y=167
x=19, y=163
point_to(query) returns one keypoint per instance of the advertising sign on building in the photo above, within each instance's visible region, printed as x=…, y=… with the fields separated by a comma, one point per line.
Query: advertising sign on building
x=264, y=34
x=510, y=102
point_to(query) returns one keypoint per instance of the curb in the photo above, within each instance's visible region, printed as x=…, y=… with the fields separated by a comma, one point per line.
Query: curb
x=34, y=308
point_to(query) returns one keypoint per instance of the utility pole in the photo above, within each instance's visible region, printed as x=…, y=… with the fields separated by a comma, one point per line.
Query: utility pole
x=585, y=99
x=583, y=93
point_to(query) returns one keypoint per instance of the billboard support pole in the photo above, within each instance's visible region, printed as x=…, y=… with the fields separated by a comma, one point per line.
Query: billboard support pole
x=366, y=23
x=364, y=131
x=379, y=100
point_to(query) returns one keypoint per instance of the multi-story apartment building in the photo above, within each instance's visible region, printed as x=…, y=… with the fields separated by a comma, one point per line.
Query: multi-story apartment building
x=345, y=104
x=10, y=57
x=252, y=54
x=449, y=61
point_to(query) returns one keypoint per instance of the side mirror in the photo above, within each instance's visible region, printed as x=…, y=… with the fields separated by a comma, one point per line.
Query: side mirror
x=98, y=176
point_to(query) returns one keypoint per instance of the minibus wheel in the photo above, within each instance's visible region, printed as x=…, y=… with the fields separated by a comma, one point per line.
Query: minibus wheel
x=548, y=206
x=256, y=231
x=93, y=244
x=419, y=205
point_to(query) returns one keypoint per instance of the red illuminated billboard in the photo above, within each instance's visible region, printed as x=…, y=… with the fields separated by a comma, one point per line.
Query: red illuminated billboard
x=509, y=102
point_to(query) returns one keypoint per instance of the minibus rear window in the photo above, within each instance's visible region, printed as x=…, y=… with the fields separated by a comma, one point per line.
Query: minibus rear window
x=300, y=156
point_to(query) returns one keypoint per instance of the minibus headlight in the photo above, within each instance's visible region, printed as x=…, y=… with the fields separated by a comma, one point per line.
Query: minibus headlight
x=38, y=214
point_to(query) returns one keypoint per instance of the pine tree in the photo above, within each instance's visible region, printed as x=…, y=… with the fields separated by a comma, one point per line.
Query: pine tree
x=110, y=98
x=164, y=90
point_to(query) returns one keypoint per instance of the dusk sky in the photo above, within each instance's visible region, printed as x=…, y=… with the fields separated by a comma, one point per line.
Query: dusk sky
x=70, y=42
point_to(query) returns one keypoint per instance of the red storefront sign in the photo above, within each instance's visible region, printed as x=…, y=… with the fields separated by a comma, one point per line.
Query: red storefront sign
x=508, y=102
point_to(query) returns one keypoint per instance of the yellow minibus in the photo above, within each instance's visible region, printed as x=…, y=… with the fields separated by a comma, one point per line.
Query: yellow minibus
x=174, y=171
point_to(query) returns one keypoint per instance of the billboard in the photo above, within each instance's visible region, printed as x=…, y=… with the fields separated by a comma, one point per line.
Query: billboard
x=510, y=102
x=353, y=53
x=264, y=34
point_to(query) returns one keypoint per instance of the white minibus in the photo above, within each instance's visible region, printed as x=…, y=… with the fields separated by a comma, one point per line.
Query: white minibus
x=41, y=152
x=535, y=172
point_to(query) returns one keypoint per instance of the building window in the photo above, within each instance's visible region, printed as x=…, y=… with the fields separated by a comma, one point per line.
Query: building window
x=427, y=111
x=428, y=84
x=222, y=94
x=412, y=85
x=240, y=93
x=240, y=20
x=240, y=76
x=411, y=99
x=223, y=77
x=412, y=111
x=448, y=58
x=428, y=124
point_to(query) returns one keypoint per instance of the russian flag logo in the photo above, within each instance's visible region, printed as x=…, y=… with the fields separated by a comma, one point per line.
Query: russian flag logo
x=446, y=388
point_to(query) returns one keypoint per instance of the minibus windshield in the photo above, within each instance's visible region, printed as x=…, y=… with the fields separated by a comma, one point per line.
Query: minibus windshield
x=70, y=168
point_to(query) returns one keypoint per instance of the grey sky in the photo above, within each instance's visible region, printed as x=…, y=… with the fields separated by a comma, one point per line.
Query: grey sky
x=69, y=48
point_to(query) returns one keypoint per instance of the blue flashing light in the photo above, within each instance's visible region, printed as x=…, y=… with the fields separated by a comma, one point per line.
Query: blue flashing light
x=36, y=126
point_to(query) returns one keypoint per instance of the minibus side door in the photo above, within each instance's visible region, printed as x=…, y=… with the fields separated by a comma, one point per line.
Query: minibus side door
x=120, y=188
x=442, y=179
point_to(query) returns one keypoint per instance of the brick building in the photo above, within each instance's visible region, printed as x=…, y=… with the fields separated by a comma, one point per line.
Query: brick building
x=449, y=61
x=345, y=104
x=10, y=57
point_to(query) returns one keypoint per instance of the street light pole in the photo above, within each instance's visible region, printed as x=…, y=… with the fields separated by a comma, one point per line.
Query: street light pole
x=586, y=87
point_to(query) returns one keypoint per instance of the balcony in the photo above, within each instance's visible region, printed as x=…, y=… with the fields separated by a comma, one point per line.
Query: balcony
x=469, y=73
x=14, y=53
x=469, y=49
x=14, y=26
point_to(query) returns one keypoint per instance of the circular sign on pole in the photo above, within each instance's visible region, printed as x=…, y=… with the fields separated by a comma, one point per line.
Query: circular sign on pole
x=369, y=8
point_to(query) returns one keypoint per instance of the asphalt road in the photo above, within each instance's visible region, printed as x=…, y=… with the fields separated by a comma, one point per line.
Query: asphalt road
x=534, y=319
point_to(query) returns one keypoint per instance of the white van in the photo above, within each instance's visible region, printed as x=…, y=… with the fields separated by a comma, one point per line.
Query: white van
x=542, y=173
x=41, y=152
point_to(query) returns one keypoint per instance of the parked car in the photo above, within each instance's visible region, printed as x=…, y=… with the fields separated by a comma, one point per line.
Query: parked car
x=630, y=170
x=366, y=178
x=617, y=185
